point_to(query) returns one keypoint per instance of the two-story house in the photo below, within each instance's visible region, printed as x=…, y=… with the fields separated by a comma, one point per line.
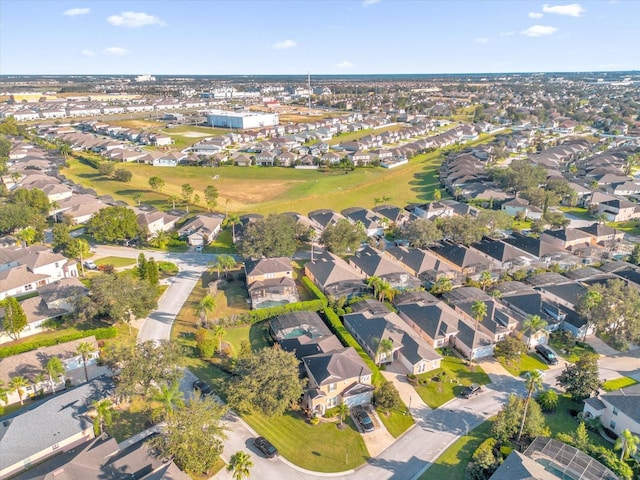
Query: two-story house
x=270, y=282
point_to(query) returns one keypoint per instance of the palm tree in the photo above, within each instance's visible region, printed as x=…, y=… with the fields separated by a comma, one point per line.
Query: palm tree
x=65, y=151
x=226, y=262
x=104, y=415
x=169, y=397
x=591, y=301
x=627, y=442
x=54, y=369
x=479, y=311
x=233, y=220
x=206, y=306
x=85, y=349
x=343, y=411
x=533, y=324
x=239, y=464
x=386, y=291
x=53, y=206
x=173, y=199
x=533, y=382
x=219, y=332
x=374, y=283
x=485, y=280
x=384, y=347
x=18, y=384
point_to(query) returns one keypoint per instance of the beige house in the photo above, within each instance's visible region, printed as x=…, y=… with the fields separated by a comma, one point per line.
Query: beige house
x=270, y=282
x=202, y=229
x=618, y=410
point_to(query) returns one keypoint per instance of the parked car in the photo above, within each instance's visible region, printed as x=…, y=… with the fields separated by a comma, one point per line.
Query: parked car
x=547, y=354
x=203, y=388
x=471, y=391
x=363, y=418
x=265, y=447
x=199, y=248
x=90, y=265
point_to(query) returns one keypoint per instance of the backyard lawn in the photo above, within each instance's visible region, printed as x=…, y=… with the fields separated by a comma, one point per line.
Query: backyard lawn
x=447, y=382
x=528, y=362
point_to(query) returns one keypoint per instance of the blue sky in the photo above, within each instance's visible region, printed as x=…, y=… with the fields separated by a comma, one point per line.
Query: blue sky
x=324, y=37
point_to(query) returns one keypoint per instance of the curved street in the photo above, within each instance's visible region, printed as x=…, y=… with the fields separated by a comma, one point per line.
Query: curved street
x=410, y=455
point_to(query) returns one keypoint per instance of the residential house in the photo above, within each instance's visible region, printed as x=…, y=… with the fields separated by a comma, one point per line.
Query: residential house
x=270, y=282
x=617, y=410
x=533, y=246
x=371, y=263
x=373, y=223
x=619, y=210
x=335, y=378
x=420, y=263
x=432, y=210
x=372, y=324
x=325, y=217
x=566, y=238
x=460, y=258
x=334, y=276
x=303, y=333
x=201, y=229
x=435, y=322
x=156, y=222
x=501, y=255
x=62, y=422
x=395, y=215
x=602, y=234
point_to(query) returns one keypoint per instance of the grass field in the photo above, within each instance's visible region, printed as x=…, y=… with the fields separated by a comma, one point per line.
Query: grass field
x=527, y=363
x=116, y=261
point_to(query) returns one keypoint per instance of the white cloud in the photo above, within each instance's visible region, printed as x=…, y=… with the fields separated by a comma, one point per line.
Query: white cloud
x=88, y=53
x=482, y=40
x=571, y=10
x=344, y=64
x=539, y=31
x=72, y=12
x=368, y=3
x=506, y=34
x=535, y=15
x=115, y=51
x=135, y=20
x=284, y=44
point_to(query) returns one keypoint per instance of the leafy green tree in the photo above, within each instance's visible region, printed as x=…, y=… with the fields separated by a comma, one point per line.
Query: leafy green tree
x=579, y=439
x=27, y=235
x=156, y=184
x=422, y=233
x=533, y=382
x=484, y=461
x=144, y=368
x=387, y=396
x=77, y=248
x=266, y=382
x=588, y=307
x=15, y=320
x=193, y=436
x=137, y=197
x=441, y=285
x=33, y=198
x=533, y=324
x=495, y=220
x=437, y=195
x=205, y=344
x=240, y=464
x=343, y=237
x=581, y=379
x=510, y=348
x=548, y=400
x=122, y=175
x=627, y=443
x=274, y=236
x=169, y=397
x=61, y=236
x=122, y=297
x=113, y=223
x=520, y=175
x=85, y=349
x=14, y=217
x=211, y=197
x=19, y=384
x=104, y=415
x=465, y=229
x=54, y=369
x=507, y=423
x=106, y=168
x=187, y=194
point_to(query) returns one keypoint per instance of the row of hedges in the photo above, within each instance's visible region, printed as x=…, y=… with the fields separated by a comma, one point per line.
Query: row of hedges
x=313, y=289
x=262, y=314
x=99, y=333
x=347, y=340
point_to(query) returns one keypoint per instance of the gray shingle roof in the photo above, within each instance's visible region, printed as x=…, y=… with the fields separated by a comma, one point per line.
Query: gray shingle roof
x=335, y=366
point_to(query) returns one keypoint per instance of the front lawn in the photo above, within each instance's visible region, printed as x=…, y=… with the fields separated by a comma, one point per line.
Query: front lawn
x=618, y=383
x=222, y=244
x=453, y=462
x=167, y=269
x=321, y=448
x=528, y=362
x=570, y=350
x=116, y=261
x=561, y=420
x=441, y=385
x=397, y=423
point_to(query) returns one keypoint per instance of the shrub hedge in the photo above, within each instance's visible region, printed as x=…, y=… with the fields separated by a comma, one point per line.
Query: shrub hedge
x=99, y=333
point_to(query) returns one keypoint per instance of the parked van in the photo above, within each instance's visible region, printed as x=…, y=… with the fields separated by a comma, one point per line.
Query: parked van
x=546, y=353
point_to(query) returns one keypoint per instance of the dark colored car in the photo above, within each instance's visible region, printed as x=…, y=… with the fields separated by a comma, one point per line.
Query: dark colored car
x=471, y=391
x=265, y=447
x=363, y=418
x=548, y=354
x=203, y=388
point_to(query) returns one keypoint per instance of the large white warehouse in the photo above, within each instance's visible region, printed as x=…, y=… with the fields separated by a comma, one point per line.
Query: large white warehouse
x=242, y=120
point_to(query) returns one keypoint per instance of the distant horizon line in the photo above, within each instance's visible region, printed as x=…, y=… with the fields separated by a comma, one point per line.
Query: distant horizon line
x=304, y=74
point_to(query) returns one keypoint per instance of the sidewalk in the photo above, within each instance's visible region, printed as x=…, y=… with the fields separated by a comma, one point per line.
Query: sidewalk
x=600, y=347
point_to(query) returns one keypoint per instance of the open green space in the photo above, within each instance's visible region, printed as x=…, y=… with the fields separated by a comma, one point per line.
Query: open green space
x=321, y=448
x=116, y=261
x=397, y=422
x=618, y=383
x=631, y=227
x=527, y=363
x=570, y=351
x=439, y=386
x=579, y=212
x=223, y=243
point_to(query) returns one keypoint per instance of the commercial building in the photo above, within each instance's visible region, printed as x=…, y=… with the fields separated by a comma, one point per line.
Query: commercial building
x=242, y=120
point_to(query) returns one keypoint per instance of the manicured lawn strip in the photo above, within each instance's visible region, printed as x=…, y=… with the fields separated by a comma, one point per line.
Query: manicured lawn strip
x=618, y=383
x=321, y=448
x=437, y=393
x=116, y=261
x=396, y=423
x=569, y=354
x=528, y=362
x=167, y=269
x=453, y=462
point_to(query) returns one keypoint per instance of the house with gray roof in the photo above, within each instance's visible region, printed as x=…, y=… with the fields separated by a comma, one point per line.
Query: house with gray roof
x=202, y=229
x=501, y=255
x=270, y=282
x=370, y=262
x=533, y=246
x=371, y=221
x=30, y=436
x=617, y=410
x=334, y=276
x=436, y=323
x=421, y=263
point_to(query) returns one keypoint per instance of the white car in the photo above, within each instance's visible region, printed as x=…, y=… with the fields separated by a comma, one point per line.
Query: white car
x=90, y=265
x=199, y=248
